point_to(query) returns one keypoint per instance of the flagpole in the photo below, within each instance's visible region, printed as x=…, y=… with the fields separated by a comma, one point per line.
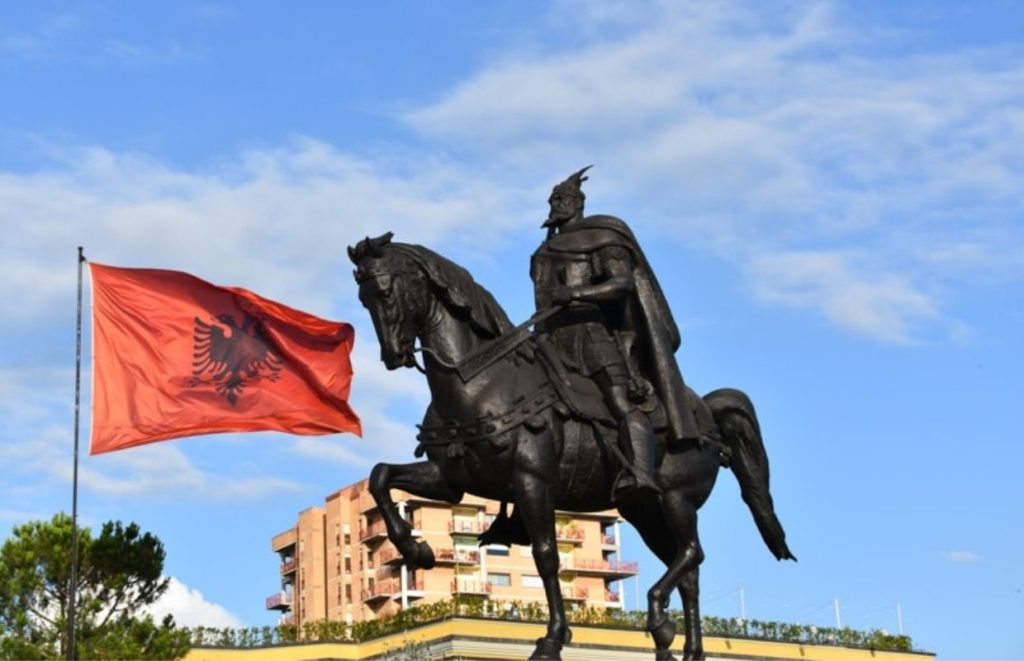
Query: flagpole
x=74, y=474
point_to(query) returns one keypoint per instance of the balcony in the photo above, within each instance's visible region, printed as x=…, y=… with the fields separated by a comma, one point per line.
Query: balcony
x=602, y=567
x=279, y=601
x=463, y=527
x=612, y=597
x=608, y=539
x=471, y=587
x=453, y=557
x=289, y=566
x=283, y=540
x=380, y=591
x=389, y=556
x=575, y=594
x=373, y=532
x=413, y=590
x=569, y=534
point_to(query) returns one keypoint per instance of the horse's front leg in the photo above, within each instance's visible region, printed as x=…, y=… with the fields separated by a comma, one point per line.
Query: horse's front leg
x=536, y=473
x=422, y=478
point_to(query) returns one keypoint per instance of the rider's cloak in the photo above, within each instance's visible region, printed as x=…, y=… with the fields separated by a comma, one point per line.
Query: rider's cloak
x=647, y=314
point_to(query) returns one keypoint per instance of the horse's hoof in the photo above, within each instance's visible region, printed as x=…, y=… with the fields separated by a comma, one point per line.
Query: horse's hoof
x=663, y=632
x=693, y=655
x=424, y=556
x=546, y=650
x=664, y=655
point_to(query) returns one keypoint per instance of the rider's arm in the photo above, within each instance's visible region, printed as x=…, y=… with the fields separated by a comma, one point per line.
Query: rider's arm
x=615, y=265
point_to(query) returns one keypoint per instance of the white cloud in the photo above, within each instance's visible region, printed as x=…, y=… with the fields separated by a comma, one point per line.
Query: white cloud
x=275, y=221
x=191, y=609
x=755, y=131
x=886, y=306
x=163, y=469
x=961, y=556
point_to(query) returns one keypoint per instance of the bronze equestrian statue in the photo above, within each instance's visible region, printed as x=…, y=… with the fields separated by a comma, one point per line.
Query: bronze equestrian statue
x=541, y=420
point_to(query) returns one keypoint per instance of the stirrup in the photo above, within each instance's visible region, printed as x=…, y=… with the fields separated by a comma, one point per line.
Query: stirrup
x=628, y=488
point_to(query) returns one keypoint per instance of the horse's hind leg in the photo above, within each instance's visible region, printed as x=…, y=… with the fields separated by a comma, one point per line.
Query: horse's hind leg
x=681, y=516
x=673, y=537
x=422, y=478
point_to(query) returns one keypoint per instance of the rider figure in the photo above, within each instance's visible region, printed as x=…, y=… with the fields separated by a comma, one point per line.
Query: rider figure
x=614, y=326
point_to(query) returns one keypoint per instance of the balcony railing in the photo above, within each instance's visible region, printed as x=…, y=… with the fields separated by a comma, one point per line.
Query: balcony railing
x=280, y=600
x=469, y=527
x=375, y=530
x=381, y=590
x=288, y=566
x=603, y=566
x=608, y=540
x=471, y=587
x=575, y=594
x=451, y=556
x=570, y=534
x=389, y=556
x=387, y=572
x=612, y=597
x=413, y=589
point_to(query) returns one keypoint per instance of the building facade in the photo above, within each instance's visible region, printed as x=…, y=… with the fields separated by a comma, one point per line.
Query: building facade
x=337, y=563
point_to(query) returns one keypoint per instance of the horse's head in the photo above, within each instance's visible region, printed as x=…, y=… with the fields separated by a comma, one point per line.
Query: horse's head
x=397, y=295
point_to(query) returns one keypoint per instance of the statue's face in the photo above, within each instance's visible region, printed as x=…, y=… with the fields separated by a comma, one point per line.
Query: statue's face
x=564, y=206
x=393, y=307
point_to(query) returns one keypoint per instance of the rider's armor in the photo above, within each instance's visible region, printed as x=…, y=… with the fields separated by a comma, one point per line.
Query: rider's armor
x=581, y=331
x=584, y=335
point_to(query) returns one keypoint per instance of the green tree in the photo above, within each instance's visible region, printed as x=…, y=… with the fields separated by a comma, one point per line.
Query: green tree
x=119, y=574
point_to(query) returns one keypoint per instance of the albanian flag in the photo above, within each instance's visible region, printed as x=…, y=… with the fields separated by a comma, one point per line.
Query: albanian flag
x=176, y=356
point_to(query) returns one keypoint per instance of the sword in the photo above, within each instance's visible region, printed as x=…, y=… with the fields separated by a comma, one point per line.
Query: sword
x=489, y=354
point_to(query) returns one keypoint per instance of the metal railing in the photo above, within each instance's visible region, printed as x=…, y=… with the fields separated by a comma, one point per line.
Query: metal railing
x=471, y=587
x=279, y=600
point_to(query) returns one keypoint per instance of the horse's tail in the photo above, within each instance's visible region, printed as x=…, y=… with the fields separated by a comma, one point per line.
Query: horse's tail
x=734, y=415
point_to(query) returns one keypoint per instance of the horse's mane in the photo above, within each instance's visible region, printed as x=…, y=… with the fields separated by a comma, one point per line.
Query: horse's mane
x=457, y=289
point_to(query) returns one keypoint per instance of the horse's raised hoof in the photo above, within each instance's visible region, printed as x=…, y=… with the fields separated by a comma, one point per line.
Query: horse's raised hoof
x=663, y=632
x=424, y=556
x=418, y=555
x=546, y=650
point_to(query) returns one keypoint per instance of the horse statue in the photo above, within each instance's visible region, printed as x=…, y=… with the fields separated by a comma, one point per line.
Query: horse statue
x=513, y=429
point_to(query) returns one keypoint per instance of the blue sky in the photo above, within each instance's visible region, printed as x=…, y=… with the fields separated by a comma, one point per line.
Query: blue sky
x=829, y=192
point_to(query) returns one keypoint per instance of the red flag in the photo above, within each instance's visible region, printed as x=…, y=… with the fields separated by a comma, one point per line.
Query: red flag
x=176, y=356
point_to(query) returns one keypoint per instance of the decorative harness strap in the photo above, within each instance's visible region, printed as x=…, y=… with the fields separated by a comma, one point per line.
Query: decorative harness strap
x=456, y=434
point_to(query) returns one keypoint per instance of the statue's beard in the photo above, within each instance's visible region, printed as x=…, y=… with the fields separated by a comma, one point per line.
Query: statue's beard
x=555, y=220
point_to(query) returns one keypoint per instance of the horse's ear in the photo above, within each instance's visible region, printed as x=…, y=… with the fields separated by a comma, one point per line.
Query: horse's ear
x=377, y=245
x=352, y=254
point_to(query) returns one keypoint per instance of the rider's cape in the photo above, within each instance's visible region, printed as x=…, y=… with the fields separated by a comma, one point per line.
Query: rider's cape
x=648, y=315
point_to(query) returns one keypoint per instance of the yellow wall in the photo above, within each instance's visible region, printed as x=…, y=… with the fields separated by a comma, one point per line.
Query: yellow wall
x=514, y=640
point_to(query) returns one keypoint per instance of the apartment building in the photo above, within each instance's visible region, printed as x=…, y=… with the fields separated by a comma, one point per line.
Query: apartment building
x=337, y=563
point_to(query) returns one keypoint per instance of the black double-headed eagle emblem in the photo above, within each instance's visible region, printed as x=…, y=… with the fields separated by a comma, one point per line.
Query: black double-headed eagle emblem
x=228, y=355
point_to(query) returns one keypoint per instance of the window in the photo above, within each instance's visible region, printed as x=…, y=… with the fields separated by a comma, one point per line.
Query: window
x=500, y=580
x=348, y=565
x=348, y=593
x=497, y=550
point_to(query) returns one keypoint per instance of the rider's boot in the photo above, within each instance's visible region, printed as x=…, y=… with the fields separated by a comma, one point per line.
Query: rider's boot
x=636, y=437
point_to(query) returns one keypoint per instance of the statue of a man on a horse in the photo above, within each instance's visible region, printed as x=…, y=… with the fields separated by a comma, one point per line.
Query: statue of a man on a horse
x=614, y=327
x=587, y=406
